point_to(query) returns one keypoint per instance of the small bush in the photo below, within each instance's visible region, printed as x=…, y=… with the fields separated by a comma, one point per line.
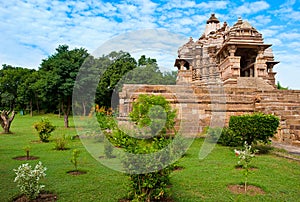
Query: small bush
x=214, y=133
x=108, y=149
x=245, y=157
x=250, y=128
x=61, y=143
x=74, y=159
x=44, y=129
x=253, y=128
x=263, y=148
x=229, y=138
x=28, y=179
x=27, y=151
x=105, y=118
x=154, y=113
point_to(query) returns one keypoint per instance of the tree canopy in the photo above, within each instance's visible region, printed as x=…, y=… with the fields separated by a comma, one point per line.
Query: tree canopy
x=59, y=73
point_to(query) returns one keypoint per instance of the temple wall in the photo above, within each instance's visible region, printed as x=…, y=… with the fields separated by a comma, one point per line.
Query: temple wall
x=198, y=107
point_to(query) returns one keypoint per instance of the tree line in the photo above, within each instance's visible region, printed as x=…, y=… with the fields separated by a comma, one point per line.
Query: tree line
x=49, y=88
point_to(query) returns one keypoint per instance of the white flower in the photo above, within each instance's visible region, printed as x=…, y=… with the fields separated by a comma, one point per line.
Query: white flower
x=28, y=179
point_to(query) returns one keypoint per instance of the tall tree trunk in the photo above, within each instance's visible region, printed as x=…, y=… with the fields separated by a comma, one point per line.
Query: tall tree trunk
x=37, y=103
x=66, y=111
x=31, y=111
x=5, y=120
x=84, y=109
x=66, y=120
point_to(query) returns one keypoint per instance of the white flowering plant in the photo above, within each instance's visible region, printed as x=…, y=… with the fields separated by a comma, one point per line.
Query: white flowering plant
x=245, y=157
x=28, y=179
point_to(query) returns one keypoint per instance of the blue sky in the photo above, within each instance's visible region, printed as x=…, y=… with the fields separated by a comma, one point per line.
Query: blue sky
x=32, y=29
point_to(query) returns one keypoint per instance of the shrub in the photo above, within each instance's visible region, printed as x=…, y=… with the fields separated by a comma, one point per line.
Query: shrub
x=105, y=118
x=61, y=143
x=245, y=157
x=155, y=115
x=28, y=179
x=27, y=151
x=254, y=127
x=214, y=133
x=74, y=159
x=108, y=149
x=44, y=129
x=229, y=138
x=154, y=112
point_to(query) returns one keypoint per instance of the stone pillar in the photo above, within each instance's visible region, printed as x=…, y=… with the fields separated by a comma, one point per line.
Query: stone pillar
x=231, y=49
x=260, y=66
x=182, y=63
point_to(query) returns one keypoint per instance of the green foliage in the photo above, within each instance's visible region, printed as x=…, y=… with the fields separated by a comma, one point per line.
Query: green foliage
x=10, y=80
x=116, y=65
x=59, y=73
x=229, y=138
x=150, y=185
x=28, y=179
x=44, y=129
x=154, y=112
x=27, y=151
x=61, y=143
x=74, y=159
x=148, y=72
x=108, y=149
x=214, y=133
x=254, y=127
x=106, y=121
x=29, y=93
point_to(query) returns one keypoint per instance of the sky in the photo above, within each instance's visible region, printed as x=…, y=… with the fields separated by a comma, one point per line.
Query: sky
x=31, y=30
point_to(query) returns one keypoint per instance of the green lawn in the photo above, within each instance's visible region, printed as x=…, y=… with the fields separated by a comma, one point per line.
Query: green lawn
x=200, y=180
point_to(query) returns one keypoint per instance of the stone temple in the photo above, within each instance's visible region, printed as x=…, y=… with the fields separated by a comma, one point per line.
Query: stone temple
x=227, y=71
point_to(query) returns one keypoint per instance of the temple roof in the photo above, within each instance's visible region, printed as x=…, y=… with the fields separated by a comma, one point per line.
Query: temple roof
x=212, y=18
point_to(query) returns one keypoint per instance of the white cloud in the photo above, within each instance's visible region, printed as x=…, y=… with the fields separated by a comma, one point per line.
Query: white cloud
x=251, y=8
x=287, y=11
x=290, y=35
x=268, y=32
x=273, y=41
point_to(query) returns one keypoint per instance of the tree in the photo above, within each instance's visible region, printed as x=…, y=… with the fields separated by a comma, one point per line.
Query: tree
x=59, y=73
x=148, y=72
x=10, y=80
x=118, y=65
x=29, y=92
x=83, y=93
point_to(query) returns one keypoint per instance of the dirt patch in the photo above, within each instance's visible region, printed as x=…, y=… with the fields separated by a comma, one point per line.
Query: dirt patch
x=24, y=158
x=251, y=189
x=240, y=167
x=167, y=199
x=76, y=172
x=178, y=168
x=42, y=197
x=104, y=157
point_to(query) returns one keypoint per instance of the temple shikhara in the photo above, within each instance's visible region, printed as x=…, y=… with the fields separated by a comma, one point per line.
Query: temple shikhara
x=228, y=71
x=227, y=53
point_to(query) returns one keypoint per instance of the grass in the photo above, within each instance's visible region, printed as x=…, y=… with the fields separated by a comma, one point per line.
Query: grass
x=200, y=180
